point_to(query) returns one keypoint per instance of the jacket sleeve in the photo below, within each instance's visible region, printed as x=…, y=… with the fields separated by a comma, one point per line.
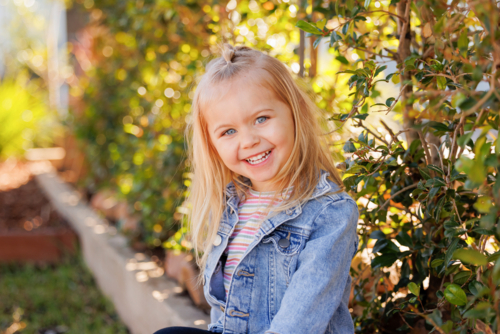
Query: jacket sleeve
x=318, y=284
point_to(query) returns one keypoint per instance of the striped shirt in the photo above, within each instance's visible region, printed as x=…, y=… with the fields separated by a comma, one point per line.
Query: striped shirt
x=251, y=213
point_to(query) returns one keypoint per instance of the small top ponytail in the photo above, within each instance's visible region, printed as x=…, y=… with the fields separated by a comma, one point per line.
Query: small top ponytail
x=228, y=53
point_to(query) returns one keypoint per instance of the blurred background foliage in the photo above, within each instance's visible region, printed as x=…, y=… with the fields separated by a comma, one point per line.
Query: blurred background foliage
x=27, y=118
x=22, y=112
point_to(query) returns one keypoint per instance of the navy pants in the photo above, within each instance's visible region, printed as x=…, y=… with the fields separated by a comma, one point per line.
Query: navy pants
x=182, y=330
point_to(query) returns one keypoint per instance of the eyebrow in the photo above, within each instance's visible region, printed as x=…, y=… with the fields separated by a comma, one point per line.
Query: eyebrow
x=251, y=115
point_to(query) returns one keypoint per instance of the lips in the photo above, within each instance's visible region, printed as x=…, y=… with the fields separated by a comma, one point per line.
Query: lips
x=256, y=159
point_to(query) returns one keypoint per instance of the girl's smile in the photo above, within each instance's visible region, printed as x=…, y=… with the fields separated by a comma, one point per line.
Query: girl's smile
x=251, y=128
x=259, y=159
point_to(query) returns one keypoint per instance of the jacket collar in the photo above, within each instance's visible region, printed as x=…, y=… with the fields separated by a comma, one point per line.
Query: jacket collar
x=323, y=186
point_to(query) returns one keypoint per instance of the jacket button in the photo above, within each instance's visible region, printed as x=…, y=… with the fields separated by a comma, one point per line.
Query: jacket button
x=218, y=240
x=284, y=243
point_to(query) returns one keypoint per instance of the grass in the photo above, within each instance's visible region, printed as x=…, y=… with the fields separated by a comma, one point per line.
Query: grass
x=60, y=298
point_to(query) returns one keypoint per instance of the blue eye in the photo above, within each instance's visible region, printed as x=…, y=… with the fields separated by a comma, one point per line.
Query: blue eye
x=264, y=117
x=227, y=132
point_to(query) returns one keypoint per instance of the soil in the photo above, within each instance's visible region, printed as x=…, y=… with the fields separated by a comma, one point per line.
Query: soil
x=23, y=206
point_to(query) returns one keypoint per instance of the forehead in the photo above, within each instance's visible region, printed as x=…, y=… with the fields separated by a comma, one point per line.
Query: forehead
x=246, y=91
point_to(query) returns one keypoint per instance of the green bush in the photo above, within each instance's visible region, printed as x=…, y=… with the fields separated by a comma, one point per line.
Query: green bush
x=24, y=115
x=429, y=194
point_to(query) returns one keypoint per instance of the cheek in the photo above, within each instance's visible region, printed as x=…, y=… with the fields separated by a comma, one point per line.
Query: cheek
x=284, y=136
x=227, y=152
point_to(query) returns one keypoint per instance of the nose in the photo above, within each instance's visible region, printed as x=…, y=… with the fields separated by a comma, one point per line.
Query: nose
x=249, y=139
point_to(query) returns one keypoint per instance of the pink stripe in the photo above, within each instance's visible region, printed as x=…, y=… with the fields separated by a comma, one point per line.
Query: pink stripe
x=238, y=247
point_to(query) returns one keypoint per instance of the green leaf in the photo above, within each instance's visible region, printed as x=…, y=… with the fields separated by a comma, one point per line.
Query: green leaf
x=450, y=251
x=483, y=204
x=470, y=256
x=333, y=38
x=389, y=101
x=316, y=42
x=496, y=272
x=343, y=60
x=350, y=4
x=463, y=140
x=367, y=3
x=321, y=24
x=479, y=312
x=385, y=246
x=361, y=116
x=410, y=61
x=379, y=245
x=436, y=169
x=377, y=235
x=436, y=263
x=493, y=257
x=414, y=288
x=441, y=82
x=349, y=147
x=356, y=169
x=380, y=69
x=462, y=277
x=455, y=295
x=438, y=27
x=448, y=325
x=384, y=260
x=437, y=317
x=476, y=288
x=404, y=239
x=345, y=28
x=307, y=27
x=432, y=193
x=389, y=76
x=350, y=181
x=425, y=173
x=438, y=126
x=439, y=207
x=463, y=41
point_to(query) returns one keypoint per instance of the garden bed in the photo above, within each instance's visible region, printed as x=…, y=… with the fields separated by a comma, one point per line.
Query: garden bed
x=30, y=228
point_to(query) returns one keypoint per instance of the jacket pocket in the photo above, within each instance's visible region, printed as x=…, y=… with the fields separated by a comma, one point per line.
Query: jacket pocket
x=286, y=241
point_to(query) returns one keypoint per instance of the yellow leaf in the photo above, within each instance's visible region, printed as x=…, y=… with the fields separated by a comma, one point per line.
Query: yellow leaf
x=427, y=31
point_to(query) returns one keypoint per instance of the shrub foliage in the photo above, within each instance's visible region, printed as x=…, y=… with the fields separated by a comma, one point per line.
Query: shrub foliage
x=429, y=194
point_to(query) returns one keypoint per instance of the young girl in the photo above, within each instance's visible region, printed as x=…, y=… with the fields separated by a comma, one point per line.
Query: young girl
x=269, y=213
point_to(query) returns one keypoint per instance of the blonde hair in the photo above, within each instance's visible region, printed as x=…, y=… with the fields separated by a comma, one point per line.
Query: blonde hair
x=310, y=152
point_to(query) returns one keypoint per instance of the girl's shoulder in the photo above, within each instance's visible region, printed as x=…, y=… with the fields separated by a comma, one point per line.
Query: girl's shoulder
x=328, y=193
x=331, y=203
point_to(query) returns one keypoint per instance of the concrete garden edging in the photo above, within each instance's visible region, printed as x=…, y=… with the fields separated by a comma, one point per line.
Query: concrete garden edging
x=144, y=298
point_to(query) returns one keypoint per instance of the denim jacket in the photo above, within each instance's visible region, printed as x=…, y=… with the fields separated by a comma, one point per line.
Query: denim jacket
x=294, y=277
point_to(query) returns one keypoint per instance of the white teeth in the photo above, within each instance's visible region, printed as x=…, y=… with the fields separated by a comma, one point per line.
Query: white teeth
x=259, y=158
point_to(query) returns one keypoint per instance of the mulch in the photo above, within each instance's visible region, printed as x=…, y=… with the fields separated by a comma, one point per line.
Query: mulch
x=23, y=206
